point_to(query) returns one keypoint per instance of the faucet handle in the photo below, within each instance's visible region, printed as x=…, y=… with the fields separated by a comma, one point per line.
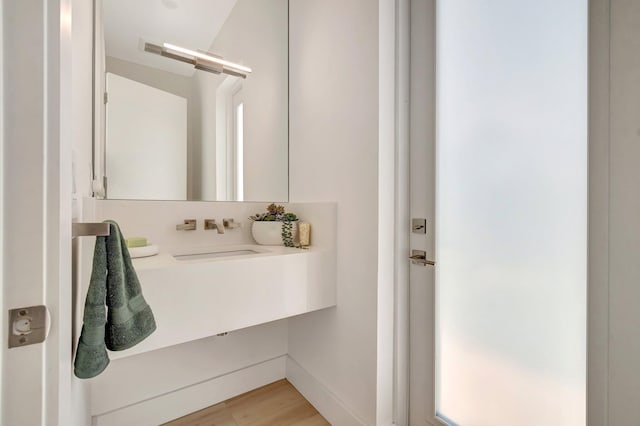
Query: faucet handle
x=229, y=223
x=189, y=225
x=211, y=224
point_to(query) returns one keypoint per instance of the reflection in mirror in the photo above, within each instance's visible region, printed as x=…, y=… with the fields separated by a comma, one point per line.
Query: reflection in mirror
x=192, y=99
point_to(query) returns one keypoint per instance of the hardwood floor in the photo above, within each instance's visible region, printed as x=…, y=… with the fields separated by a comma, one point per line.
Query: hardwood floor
x=278, y=403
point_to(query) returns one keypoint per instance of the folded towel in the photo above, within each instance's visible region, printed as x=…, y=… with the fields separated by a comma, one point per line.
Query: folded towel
x=129, y=319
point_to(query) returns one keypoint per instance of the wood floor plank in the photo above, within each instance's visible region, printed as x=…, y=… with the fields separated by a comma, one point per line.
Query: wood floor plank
x=299, y=414
x=316, y=420
x=216, y=415
x=266, y=408
x=276, y=404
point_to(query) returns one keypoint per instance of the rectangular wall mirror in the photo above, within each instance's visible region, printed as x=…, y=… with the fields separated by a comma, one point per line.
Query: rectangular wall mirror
x=191, y=100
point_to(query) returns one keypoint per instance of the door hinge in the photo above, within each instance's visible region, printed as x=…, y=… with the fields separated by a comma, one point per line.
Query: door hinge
x=106, y=97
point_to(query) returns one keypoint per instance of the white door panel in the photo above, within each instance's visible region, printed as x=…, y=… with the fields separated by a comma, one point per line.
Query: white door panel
x=36, y=200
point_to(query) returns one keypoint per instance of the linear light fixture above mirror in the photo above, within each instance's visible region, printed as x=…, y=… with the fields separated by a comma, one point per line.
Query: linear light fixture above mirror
x=205, y=61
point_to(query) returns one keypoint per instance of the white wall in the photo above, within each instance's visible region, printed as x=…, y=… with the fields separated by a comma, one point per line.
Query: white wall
x=333, y=156
x=624, y=225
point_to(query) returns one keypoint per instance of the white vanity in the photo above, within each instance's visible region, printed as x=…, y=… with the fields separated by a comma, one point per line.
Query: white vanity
x=203, y=283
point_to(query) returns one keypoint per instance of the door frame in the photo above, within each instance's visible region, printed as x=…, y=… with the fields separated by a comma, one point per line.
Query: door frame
x=598, y=212
x=402, y=212
x=2, y=204
x=405, y=116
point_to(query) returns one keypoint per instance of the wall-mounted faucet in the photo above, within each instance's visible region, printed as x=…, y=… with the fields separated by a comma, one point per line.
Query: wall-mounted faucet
x=211, y=224
x=229, y=223
x=189, y=225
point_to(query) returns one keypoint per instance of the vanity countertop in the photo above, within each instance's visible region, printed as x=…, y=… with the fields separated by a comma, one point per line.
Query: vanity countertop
x=201, y=297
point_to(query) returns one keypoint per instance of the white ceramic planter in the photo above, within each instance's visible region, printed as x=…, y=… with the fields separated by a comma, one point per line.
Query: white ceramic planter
x=270, y=233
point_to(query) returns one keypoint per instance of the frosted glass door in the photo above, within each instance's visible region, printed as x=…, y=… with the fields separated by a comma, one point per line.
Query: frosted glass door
x=511, y=203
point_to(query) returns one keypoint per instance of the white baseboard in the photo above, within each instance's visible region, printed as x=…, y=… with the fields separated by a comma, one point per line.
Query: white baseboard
x=328, y=404
x=181, y=402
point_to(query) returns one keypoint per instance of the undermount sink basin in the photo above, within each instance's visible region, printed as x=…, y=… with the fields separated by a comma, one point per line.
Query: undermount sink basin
x=212, y=254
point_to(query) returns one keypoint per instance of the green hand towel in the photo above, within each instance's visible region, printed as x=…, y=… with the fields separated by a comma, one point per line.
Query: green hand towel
x=126, y=319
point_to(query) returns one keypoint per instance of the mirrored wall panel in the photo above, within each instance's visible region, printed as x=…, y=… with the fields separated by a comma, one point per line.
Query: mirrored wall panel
x=191, y=100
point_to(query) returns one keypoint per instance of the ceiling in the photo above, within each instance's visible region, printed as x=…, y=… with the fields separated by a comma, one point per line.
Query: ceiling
x=193, y=24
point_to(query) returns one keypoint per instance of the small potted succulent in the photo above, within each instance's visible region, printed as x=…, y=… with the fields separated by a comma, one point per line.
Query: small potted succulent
x=274, y=227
